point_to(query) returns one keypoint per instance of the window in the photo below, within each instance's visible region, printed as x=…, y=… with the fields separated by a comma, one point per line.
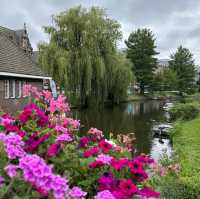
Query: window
x=18, y=89
x=12, y=89
x=6, y=89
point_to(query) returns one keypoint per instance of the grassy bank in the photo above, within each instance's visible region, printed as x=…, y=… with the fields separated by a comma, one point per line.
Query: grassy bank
x=186, y=144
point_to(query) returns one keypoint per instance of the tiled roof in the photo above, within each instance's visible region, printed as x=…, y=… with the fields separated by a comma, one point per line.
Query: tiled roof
x=14, y=60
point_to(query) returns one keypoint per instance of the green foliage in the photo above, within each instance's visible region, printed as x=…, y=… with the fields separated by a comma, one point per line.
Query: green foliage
x=185, y=111
x=165, y=81
x=81, y=54
x=141, y=51
x=172, y=187
x=182, y=63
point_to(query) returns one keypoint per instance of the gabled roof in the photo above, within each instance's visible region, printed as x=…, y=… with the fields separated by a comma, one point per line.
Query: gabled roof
x=15, y=61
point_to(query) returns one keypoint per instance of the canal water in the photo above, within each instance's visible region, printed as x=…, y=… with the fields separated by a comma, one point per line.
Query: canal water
x=132, y=117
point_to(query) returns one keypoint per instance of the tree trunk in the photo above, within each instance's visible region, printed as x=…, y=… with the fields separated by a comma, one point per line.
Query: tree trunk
x=142, y=88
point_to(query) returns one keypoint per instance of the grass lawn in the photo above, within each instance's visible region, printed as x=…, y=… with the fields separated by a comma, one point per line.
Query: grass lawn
x=186, y=144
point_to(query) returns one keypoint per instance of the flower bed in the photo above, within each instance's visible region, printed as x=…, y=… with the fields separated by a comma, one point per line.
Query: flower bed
x=42, y=156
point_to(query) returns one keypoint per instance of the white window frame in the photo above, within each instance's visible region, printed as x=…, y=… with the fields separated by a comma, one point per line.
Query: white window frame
x=20, y=89
x=6, y=89
x=13, y=89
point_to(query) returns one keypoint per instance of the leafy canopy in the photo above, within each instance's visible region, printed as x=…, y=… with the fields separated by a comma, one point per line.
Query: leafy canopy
x=82, y=55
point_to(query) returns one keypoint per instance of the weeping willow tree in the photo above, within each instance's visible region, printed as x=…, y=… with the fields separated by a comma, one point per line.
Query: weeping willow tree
x=81, y=54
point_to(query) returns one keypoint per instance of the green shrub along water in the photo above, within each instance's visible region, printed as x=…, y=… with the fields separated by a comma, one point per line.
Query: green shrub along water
x=185, y=111
x=186, y=145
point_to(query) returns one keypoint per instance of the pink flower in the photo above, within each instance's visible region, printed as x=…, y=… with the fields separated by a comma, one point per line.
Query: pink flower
x=47, y=95
x=104, y=195
x=69, y=122
x=95, y=133
x=158, y=169
x=27, y=90
x=65, y=137
x=59, y=104
x=11, y=170
x=77, y=193
x=106, y=159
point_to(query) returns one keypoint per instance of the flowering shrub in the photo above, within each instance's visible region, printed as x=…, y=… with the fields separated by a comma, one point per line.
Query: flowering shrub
x=41, y=151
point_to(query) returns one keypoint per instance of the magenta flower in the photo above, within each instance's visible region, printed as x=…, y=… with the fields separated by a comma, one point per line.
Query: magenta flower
x=105, y=146
x=65, y=137
x=96, y=164
x=13, y=145
x=106, y=181
x=145, y=159
x=77, y=193
x=139, y=174
x=104, y=195
x=2, y=180
x=84, y=141
x=118, y=195
x=34, y=142
x=91, y=152
x=148, y=193
x=53, y=150
x=135, y=165
x=40, y=175
x=119, y=164
x=128, y=188
x=11, y=170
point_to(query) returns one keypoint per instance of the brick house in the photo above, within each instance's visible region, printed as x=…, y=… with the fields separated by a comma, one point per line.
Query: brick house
x=17, y=68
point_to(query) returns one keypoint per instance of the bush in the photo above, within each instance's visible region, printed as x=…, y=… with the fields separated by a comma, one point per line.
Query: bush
x=183, y=111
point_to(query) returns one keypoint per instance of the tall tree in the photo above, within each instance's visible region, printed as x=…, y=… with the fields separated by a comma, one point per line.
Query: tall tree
x=165, y=80
x=141, y=51
x=182, y=63
x=82, y=52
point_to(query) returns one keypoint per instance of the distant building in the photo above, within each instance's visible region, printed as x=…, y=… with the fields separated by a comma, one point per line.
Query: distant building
x=162, y=65
x=17, y=68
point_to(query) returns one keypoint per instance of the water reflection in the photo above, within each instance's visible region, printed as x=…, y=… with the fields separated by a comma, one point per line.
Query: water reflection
x=137, y=117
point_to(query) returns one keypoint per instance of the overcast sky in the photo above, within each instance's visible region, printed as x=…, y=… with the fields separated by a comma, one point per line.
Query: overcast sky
x=174, y=22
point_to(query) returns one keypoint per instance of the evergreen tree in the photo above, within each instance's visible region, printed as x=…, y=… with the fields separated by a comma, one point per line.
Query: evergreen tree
x=141, y=51
x=165, y=80
x=182, y=63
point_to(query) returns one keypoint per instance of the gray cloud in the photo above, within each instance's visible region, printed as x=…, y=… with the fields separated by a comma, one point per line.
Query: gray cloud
x=174, y=22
